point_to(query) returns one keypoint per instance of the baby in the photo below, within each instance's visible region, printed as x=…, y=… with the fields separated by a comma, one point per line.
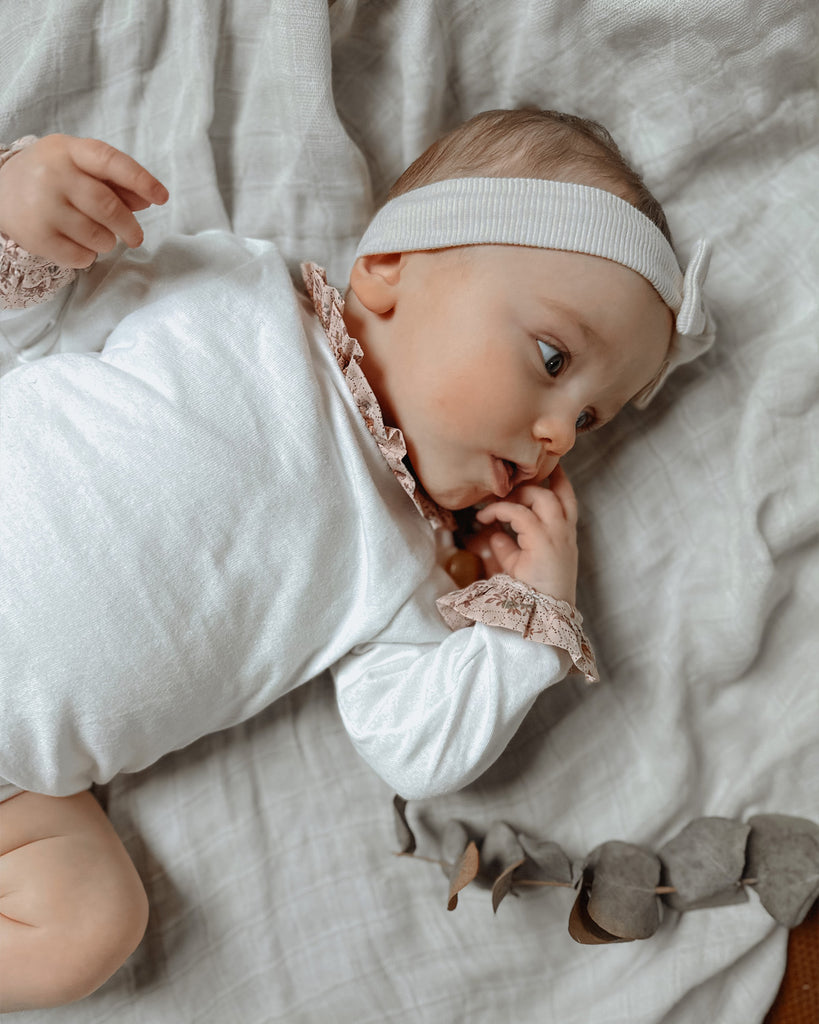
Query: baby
x=215, y=488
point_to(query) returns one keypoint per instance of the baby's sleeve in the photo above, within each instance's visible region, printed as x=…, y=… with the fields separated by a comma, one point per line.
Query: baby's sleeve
x=506, y=602
x=430, y=715
x=26, y=280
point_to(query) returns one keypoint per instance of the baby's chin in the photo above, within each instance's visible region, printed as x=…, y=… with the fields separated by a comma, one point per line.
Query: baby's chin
x=456, y=500
x=451, y=497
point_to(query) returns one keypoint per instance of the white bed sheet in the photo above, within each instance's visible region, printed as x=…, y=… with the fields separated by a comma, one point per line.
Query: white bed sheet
x=266, y=850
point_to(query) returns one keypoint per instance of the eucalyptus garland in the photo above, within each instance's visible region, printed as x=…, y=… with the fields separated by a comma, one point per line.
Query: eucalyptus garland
x=620, y=887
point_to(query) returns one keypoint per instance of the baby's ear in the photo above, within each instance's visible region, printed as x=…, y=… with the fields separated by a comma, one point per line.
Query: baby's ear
x=374, y=279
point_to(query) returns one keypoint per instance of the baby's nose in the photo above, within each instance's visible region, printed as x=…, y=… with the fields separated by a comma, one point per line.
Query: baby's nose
x=557, y=435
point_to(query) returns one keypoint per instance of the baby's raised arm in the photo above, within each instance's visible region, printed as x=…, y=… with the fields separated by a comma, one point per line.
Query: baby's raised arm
x=68, y=199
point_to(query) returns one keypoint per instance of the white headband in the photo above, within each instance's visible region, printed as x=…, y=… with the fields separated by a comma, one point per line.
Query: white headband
x=552, y=215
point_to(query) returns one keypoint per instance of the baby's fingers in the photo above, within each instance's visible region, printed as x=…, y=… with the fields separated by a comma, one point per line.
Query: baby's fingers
x=562, y=489
x=518, y=516
x=65, y=252
x=131, y=199
x=100, y=217
x=107, y=164
x=82, y=239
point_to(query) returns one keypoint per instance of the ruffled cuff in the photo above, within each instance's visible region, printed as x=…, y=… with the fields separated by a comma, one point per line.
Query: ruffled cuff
x=508, y=603
x=25, y=279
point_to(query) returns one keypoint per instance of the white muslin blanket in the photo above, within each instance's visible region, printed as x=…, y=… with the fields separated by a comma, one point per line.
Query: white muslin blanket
x=266, y=849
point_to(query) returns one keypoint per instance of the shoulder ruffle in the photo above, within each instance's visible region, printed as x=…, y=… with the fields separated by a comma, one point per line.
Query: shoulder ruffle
x=329, y=306
x=508, y=603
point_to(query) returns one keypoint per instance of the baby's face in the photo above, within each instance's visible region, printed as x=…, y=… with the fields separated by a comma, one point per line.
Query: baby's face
x=500, y=355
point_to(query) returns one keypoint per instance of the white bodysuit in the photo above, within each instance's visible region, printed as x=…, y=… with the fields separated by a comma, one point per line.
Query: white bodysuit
x=196, y=516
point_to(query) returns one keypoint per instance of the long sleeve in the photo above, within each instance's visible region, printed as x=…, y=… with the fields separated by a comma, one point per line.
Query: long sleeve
x=430, y=717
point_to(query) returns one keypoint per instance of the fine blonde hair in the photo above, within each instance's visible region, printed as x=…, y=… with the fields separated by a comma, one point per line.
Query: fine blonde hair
x=533, y=143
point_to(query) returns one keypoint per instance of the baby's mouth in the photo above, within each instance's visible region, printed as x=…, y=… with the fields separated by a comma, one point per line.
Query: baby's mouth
x=505, y=472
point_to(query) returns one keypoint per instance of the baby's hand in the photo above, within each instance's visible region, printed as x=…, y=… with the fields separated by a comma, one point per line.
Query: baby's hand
x=68, y=199
x=545, y=521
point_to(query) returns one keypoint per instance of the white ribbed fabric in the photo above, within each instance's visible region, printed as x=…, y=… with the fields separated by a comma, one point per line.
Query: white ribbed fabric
x=551, y=215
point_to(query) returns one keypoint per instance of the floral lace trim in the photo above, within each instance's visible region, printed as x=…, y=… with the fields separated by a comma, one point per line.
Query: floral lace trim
x=508, y=603
x=329, y=305
x=25, y=279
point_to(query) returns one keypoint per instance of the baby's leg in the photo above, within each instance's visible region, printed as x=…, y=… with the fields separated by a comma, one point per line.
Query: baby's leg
x=72, y=907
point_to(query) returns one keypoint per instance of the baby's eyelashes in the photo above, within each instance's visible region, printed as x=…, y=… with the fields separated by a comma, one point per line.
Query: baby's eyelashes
x=553, y=358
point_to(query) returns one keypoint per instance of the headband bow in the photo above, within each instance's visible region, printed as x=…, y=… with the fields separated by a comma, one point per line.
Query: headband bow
x=552, y=215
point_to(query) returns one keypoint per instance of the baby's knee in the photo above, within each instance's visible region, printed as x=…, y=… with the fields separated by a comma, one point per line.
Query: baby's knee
x=71, y=967
x=104, y=928
x=68, y=876
x=101, y=940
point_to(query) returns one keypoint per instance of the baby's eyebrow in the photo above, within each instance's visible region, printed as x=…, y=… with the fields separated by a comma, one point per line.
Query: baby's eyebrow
x=589, y=334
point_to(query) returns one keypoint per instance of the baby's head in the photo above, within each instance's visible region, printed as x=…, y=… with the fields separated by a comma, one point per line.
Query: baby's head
x=518, y=288
x=532, y=143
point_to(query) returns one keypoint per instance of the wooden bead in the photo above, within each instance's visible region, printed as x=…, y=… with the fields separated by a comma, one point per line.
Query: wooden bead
x=464, y=567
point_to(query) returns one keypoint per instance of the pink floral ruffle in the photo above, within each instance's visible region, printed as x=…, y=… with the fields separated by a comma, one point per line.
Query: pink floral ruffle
x=329, y=305
x=25, y=279
x=508, y=603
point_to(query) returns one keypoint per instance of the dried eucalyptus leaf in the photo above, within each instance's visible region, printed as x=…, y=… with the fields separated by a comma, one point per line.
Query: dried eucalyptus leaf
x=622, y=899
x=545, y=861
x=704, y=863
x=461, y=859
x=783, y=856
x=462, y=873
x=453, y=843
x=502, y=885
x=583, y=928
x=501, y=855
x=403, y=833
x=499, y=849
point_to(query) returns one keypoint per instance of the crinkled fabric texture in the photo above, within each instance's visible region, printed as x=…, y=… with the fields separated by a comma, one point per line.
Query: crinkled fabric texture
x=266, y=849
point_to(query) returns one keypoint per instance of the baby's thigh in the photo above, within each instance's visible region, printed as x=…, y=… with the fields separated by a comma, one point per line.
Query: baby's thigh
x=64, y=871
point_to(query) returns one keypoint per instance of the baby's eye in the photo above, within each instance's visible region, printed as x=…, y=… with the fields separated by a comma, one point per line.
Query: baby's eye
x=585, y=421
x=553, y=358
